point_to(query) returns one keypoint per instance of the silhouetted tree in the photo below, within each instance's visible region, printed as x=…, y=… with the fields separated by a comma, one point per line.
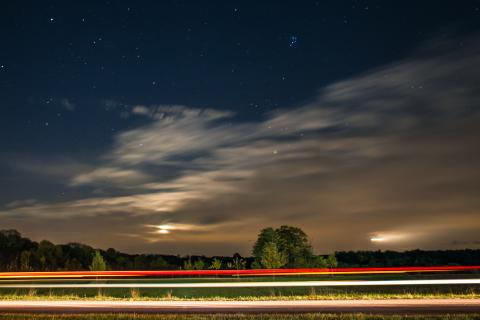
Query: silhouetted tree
x=199, y=264
x=98, y=263
x=291, y=242
x=158, y=263
x=272, y=258
x=216, y=264
x=238, y=262
x=187, y=264
x=18, y=253
x=331, y=261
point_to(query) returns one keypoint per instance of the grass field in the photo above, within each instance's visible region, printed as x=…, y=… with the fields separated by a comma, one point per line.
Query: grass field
x=311, y=316
x=248, y=293
x=290, y=293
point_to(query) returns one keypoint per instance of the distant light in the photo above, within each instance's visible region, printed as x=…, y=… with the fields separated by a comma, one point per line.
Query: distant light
x=166, y=227
x=390, y=237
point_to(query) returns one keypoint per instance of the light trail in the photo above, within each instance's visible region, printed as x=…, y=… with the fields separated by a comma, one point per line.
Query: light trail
x=370, y=306
x=247, y=284
x=250, y=272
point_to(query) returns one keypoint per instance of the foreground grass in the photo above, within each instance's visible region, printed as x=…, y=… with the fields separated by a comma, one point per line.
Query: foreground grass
x=337, y=296
x=308, y=316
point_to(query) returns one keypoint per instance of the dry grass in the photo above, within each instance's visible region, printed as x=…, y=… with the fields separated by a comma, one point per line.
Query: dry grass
x=135, y=295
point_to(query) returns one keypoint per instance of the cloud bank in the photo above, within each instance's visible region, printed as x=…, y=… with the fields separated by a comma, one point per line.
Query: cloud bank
x=391, y=154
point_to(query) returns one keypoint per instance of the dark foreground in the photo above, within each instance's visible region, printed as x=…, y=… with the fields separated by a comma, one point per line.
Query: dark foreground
x=237, y=316
x=397, y=306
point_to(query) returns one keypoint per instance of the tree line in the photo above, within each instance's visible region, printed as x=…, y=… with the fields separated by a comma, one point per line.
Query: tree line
x=284, y=247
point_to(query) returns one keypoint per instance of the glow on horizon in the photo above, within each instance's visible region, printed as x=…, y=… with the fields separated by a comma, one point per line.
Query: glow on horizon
x=168, y=228
x=389, y=237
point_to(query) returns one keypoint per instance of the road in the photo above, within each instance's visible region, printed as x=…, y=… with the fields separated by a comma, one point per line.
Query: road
x=394, y=306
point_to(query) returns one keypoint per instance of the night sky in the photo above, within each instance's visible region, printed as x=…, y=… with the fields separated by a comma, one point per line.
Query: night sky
x=187, y=126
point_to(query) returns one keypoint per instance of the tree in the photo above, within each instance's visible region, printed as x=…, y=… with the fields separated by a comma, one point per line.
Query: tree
x=325, y=262
x=25, y=261
x=47, y=255
x=216, y=264
x=73, y=265
x=158, y=264
x=331, y=261
x=140, y=262
x=98, y=264
x=238, y=263
x=199, y=264
x=320, y=262
x=272, y=258
x=292, y=242
x=80, y=252
x=265, y=236
x=187, y=264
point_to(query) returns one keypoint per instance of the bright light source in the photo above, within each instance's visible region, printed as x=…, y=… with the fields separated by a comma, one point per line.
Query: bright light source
x=166, y=227
x=169, y=228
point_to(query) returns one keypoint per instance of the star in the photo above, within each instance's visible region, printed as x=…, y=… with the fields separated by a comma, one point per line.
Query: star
x=293, y=40
x=51, y=19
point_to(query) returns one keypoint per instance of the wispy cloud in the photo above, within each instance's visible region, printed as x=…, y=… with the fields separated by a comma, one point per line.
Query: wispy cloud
x=391, y=152
x=106, y=175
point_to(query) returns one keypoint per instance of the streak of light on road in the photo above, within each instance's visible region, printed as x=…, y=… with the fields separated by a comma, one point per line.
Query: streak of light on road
x=383, y=306
x=250, y=272
x=247, y=284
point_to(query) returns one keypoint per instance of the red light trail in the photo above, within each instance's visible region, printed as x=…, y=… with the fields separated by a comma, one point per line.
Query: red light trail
x=250, y=272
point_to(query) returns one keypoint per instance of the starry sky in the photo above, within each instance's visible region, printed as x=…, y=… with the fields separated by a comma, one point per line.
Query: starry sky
x=187, y=126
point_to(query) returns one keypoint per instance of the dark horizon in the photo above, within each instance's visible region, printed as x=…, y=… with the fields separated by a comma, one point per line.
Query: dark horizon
x=247, y=253
x=187, y=127
x=78, y=256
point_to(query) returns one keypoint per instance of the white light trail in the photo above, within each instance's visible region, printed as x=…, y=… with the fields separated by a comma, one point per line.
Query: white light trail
x=246, y=284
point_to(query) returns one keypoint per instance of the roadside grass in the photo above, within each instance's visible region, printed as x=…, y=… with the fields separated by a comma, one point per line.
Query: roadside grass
x=306, y=316
x=243, y=295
